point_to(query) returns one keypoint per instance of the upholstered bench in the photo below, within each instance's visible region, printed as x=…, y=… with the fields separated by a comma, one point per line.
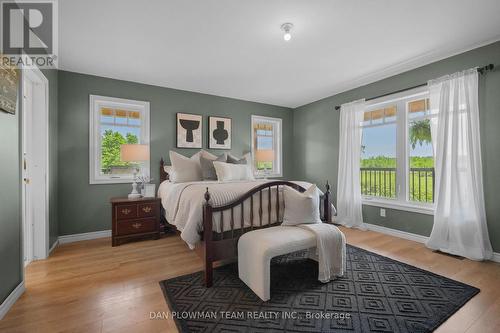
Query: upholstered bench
x=256, y=248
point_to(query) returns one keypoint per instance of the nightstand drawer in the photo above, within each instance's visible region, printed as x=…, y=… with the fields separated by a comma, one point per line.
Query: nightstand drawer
x=136, y=226
x=126, y=212
x=135, y=219
x=146, y=210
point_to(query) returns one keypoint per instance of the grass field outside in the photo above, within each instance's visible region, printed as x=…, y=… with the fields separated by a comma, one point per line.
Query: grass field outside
x=378, y=178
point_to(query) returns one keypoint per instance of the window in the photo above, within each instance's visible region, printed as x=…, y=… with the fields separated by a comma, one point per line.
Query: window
x=397, y=163
x=114, y=122
x=421, y=175
x=266, y=146
x=378, y=153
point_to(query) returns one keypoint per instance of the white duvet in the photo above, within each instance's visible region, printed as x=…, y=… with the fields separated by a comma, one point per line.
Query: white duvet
x=183, y=203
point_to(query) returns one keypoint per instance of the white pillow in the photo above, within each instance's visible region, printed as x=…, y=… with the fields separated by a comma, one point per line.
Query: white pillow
x=185, y=169
x=228, y=171
x=189, y=174
x=301, y=208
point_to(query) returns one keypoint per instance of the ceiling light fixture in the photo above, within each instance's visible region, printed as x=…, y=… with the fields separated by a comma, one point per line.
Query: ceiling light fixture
x=286, y=27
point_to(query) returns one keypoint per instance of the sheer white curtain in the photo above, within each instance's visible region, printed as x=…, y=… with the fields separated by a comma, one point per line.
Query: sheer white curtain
x=459, y=219
x=348, y=186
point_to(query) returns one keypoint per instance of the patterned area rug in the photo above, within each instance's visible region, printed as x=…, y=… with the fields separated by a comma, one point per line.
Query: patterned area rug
x=377, y=294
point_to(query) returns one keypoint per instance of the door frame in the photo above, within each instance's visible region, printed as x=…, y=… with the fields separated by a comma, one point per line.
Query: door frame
x=39, y=248
x=27, y=228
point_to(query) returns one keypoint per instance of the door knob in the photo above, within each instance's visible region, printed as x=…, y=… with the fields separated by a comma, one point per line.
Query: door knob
x=27, y=180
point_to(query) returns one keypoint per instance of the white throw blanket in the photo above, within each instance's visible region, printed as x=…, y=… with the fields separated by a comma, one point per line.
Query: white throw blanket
x=330, y=250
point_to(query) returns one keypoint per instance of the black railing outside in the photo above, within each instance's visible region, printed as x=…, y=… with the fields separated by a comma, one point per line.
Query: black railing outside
x=378, y=182
x=381, y=182
x=422, y=184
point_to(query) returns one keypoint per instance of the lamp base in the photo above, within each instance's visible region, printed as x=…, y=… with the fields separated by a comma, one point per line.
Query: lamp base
x=135, y=194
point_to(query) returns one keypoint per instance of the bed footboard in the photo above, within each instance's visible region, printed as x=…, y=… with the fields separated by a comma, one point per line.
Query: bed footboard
x=224, y=246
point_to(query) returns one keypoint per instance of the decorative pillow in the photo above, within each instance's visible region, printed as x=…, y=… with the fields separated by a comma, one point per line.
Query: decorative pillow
x=185, y=169
x=207, y=166
x=246, y=159
x=228, y=171
x=205, y=154
x=301, y=208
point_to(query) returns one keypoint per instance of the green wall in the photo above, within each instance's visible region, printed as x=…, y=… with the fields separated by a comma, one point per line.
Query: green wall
x=10, y=204
x=316, y=136
x=84, y=207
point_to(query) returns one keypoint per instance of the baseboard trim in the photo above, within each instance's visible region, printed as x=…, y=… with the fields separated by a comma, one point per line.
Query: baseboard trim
x=397, y=233
x=496, y=257
x=11, y=299
x=53, y=246
x=84, y=236
x=411, y=236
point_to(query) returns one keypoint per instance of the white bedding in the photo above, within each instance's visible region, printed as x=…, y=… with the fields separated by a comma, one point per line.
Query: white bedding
x=183, y=203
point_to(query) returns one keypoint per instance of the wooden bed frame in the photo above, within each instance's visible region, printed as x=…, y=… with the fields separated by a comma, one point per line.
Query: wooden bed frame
x=219, y=246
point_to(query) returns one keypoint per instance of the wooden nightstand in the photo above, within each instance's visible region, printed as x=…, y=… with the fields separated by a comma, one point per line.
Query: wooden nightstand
x=135, y=219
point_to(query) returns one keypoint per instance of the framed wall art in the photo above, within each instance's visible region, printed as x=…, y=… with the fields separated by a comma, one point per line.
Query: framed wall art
x=219, y=131
x=9, y=84
x=189, y=130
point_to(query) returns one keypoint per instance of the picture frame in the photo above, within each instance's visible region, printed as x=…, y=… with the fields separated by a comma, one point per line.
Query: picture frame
x=149, y=191
x=219, y=133
x=9, y=85
x=189, y=129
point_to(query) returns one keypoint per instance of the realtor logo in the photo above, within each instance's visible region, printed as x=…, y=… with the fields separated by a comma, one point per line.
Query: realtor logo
x=29, y=32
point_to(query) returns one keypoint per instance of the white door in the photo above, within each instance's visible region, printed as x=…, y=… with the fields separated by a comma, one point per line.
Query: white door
x=35, y=166
x=26, y=166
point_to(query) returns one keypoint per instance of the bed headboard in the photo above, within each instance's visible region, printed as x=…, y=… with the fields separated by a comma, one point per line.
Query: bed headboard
x=163, y=173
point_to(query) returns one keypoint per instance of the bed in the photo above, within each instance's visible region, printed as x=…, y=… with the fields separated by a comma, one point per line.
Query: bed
x=212, y=215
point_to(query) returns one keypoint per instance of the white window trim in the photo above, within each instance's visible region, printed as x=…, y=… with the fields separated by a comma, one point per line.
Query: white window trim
x=96, y=102
x=278, y=146
x=402, y=201
x=421, y=208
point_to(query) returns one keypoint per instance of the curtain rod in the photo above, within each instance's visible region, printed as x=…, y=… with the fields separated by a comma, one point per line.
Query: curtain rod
x=481, y=70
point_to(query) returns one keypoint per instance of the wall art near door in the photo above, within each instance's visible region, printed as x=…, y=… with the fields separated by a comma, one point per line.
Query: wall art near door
x=189, y=128
x=219, y=131
x=9, y=84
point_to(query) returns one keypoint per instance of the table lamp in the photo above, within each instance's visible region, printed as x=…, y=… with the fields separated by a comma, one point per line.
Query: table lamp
x=135, y=154
x=265, y=155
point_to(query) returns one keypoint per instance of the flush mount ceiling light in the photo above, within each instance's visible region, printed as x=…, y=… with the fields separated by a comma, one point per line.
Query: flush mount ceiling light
x=286, y=27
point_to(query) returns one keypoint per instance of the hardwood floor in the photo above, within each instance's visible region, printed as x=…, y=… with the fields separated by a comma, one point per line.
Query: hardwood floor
x=91, y=287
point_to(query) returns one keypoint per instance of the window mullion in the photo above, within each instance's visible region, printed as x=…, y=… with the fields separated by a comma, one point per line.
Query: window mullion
x=401, y=152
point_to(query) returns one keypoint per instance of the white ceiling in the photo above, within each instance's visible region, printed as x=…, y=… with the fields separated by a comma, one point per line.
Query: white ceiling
x=235, y=48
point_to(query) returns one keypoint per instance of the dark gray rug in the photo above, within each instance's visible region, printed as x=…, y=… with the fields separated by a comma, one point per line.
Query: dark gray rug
x=377, y=294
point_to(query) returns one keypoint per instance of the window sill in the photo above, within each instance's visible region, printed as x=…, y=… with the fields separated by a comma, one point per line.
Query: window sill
x=111, y=181
x=422, y=209
x=268, y=176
